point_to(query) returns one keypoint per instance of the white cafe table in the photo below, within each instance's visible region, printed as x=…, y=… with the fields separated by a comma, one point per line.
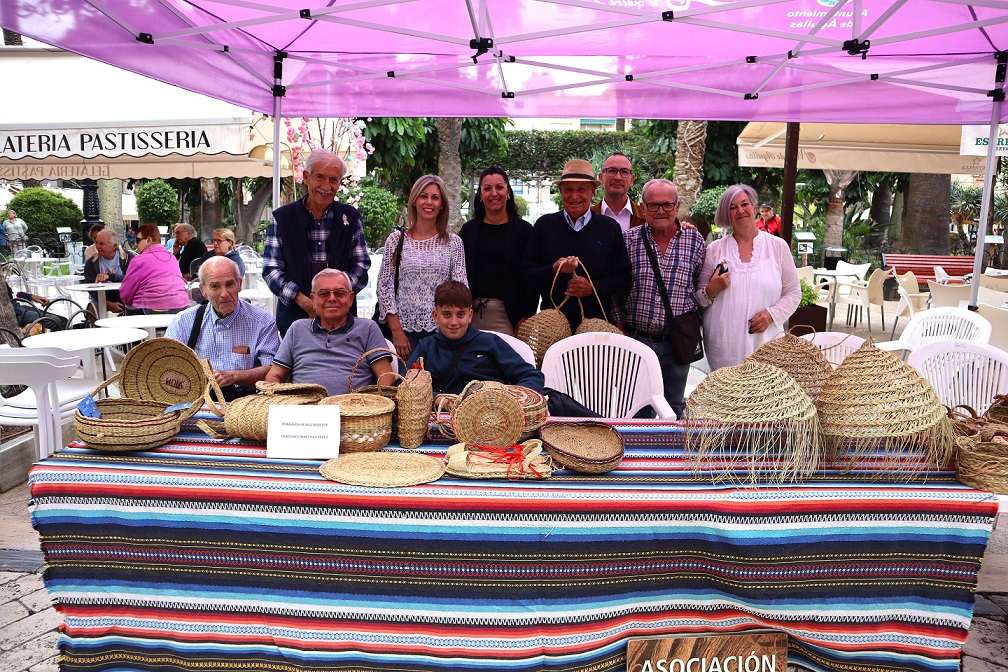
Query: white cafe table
x=100, y=288
x=834, y=277
x=85, y=341
x=151, y=323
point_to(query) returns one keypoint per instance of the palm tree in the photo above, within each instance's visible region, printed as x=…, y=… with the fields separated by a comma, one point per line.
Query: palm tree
x=449, y=133
x=691, y=145
x=926, y=213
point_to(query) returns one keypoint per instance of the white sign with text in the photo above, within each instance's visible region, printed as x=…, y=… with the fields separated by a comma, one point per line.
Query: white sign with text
x=303, y=432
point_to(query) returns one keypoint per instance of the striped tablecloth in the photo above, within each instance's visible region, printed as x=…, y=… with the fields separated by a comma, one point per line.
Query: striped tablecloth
x=206, y=555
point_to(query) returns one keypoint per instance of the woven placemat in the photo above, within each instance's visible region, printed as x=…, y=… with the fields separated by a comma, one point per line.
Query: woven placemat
x=383, y=470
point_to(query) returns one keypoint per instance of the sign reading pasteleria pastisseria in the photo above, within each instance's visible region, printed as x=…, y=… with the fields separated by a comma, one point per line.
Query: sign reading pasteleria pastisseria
x=762, y=651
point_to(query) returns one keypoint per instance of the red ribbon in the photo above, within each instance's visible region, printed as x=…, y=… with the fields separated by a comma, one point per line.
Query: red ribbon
x=511, y=456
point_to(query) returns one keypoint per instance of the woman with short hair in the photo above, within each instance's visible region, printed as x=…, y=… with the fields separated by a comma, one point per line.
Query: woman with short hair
x=153, y=281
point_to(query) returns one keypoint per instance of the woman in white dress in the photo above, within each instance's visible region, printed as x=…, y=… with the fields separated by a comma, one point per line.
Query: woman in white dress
x=747, y=303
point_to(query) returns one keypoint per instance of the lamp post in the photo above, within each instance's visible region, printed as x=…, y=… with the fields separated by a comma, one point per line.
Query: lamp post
x=91, y=216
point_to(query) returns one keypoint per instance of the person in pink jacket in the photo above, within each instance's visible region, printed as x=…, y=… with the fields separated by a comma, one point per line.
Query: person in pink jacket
x=153, y=281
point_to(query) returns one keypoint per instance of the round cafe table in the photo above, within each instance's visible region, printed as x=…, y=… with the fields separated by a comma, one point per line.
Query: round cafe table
x=85, y=341
x=100, y=288
x=151, y=323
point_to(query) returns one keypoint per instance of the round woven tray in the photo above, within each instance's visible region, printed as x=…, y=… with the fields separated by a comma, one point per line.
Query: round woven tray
x=365, y=421
x=588, y=447
x=128, y=424
x=165, y=370
x=490, y=417
x=383, y=470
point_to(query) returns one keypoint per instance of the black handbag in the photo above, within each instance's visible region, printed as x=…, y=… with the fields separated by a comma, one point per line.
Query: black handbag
x=685, y=336
x=377, y=316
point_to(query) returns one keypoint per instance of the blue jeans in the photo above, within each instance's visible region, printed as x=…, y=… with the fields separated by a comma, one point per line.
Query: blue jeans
x=673, y=376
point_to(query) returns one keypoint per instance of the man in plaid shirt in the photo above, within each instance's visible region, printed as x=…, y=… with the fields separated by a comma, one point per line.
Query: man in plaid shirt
x=680, y=253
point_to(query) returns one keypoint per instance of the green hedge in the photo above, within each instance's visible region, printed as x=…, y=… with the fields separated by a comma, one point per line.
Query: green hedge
x=43, y=210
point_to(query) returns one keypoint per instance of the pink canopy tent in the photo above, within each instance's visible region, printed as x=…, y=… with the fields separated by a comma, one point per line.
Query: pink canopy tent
x=884, y=61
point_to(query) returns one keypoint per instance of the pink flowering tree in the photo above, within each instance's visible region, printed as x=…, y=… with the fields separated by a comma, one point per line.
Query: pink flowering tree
x=342, y=136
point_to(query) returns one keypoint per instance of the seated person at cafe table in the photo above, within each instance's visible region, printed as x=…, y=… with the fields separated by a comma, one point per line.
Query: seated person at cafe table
x=238, y=338
x=324, y=349
x=153, y=282
x=459, y=353
x=107, y=265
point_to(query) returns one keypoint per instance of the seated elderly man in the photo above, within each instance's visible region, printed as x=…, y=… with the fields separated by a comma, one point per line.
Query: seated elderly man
x=324, y=349
x=108, y=264
x=239, y=339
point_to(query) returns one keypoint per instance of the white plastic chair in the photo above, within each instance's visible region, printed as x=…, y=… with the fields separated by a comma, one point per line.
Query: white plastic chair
x=998, y=317
x=912, y=300
x=835, y=345
x=999, y=283
x=519, y=346
x=39, y=369
x=940, y=324
x=947, y=295
x=397, y=365
x=612, y=374
x=963, y=372
x=943, y=278
x=859, y=295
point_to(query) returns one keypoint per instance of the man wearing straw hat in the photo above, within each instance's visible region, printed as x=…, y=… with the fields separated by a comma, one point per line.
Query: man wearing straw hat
x=238, y=338
x=583, y=250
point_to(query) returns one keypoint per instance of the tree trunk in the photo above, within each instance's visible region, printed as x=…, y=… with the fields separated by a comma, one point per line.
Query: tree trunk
x=838, y=181
x=11, y=39
x=449, y=131
x=926, y=213
x=110, y=206
x=247, y=216
x=691, y=145
x=881, y=209
x=210, y=210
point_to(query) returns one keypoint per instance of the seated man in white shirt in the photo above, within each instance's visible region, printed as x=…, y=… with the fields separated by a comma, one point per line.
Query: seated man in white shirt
x=239, y=339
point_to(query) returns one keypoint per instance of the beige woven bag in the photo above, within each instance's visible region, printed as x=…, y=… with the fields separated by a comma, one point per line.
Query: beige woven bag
x=594, y=324
x=248, y=417
x=545, y=327
x=414, y=400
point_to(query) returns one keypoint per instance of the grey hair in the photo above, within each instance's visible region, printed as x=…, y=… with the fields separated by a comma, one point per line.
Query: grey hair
x=326, y=272
x=659, y=181
x=188, y=228
x=325, y=156
x=218, y=260
x=722, y=216
x=112, y=233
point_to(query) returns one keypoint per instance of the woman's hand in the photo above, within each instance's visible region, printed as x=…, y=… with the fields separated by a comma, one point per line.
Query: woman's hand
x=401, y=343
x=759, y=323
x=718, y=283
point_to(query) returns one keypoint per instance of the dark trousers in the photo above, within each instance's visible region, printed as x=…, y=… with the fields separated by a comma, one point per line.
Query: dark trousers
x=673, y=376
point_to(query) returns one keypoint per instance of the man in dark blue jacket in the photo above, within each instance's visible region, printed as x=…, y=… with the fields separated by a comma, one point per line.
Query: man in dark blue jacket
x=311, y=234
x=460, y=353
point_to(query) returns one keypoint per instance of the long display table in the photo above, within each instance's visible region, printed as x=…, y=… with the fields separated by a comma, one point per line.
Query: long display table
x=206, y=555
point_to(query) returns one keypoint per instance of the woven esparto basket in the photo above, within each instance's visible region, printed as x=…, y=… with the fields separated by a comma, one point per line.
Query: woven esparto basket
x=365, y=421
x=128, y=424
x=164, y=370
x=388, y=391
x=753, y=416
x=999, y=409
x=800, y=358
x=533, y=404
x=490, y=417
x=588, y=447
x=414, y=400
x=876, y=404
x=248, y=417
x=383, y=470
x=983, y=460
x=594, y=324
x=522, y=461
x=545, y=327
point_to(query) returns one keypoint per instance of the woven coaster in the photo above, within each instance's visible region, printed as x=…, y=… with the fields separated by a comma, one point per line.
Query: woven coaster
x=383, y=470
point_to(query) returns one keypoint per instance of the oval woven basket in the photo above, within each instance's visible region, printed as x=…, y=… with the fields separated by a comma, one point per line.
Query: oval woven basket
x=800, y=358
x=383, y=470
x=588, y=447
x=983, y=460
x=545, y=328
x=165, y=370
x=588, y=325
x=128, y=424
x=248, y=417
x=365, y=421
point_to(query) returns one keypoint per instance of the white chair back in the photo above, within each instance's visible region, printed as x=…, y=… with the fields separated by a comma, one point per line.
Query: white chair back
x=835, y=345
x=999, y=283
x=519, y=346
x=38, y=368
x=947, y=296
x=963, y=372
x=998, y=317
x=942, y=324
x=612, y=374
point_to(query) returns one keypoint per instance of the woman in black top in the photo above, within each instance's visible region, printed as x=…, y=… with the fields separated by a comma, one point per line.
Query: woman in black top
x=494, y=245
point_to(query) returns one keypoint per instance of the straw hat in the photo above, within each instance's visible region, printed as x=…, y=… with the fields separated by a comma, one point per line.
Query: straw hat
x=578, y=170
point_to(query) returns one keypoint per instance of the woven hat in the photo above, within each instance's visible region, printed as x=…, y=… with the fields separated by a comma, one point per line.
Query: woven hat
x=588, y=447
x=523, y=461
x=754, y=415
x=165, y=370
x=875, y=401
x=579, y=170
x=800, y=358
x=365, y=421
x=383, y=470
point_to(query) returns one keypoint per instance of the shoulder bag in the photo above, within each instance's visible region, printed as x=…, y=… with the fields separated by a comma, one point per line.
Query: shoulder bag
x=684, y=331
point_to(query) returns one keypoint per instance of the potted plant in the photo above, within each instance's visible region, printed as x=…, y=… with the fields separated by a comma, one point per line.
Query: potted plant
x=808, y=317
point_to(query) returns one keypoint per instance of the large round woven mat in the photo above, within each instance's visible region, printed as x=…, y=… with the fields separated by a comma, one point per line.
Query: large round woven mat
x=383, y=470
x=800, y=358
x=491, y=417
x=162, y=369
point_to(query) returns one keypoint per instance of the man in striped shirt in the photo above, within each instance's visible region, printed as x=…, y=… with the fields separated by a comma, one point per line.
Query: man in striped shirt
x=679, y=251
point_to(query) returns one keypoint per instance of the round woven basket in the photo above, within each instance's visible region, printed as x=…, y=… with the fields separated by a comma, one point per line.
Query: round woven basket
x=799, y=358
x=490, y=417
x=875, y=403
x=365, y=421
x=588, y=447
x=383, y=470
x=594, y=324
x=128, y=424
x=545, y=328
x=248, y=417
x=164, y=370
x=983, y=460
x=752, y=416
x=999, y=409
x=533, y=404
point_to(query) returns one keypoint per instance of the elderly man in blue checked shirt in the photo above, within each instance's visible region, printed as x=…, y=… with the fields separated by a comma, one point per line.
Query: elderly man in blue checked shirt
x=311, y=234
x=238, y=338
x=680, y=252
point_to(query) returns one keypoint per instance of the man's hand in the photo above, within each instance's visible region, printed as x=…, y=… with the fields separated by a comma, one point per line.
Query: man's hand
x=565, y=265
x=225, y=378
x=41, y=300
x=101, y=277
x=580, y=287
x=305, y=304
x=115, y=307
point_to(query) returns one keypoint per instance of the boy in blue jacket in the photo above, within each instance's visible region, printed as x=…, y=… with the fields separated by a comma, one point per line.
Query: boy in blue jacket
x=460, y=353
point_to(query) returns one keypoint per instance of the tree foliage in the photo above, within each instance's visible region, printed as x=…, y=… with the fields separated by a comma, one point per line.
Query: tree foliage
x=157, y=202
x=379, y=208
x=43, y=210
x=537, y=155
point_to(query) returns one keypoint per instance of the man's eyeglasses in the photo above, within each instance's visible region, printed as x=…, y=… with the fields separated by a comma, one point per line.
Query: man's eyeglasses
x=655, y=207
x=324, y=294
x=623, y=172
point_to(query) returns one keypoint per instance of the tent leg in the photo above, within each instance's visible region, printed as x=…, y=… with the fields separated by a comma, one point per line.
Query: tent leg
x=988, y=185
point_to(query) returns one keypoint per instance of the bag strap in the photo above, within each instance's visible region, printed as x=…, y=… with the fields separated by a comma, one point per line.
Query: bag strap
x=552, y=286
x=453, y=364
x=396, y=260
x=659, y=280
x=597, y=297
x=197, y=326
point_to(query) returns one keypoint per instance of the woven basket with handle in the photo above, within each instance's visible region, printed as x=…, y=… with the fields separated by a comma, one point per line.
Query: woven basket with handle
x=248, y=417
x=545, y=327
x=594, y=324
x=414, y=401
x=365, y=421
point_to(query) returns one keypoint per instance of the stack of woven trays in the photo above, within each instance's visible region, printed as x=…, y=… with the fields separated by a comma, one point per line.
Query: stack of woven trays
x=155, y=375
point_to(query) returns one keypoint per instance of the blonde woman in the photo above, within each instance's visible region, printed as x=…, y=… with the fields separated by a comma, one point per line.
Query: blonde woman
x=222, y=245
x=429, y=256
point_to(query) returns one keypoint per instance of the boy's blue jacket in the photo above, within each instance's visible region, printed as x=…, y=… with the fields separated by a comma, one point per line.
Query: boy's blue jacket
x=486, y=357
